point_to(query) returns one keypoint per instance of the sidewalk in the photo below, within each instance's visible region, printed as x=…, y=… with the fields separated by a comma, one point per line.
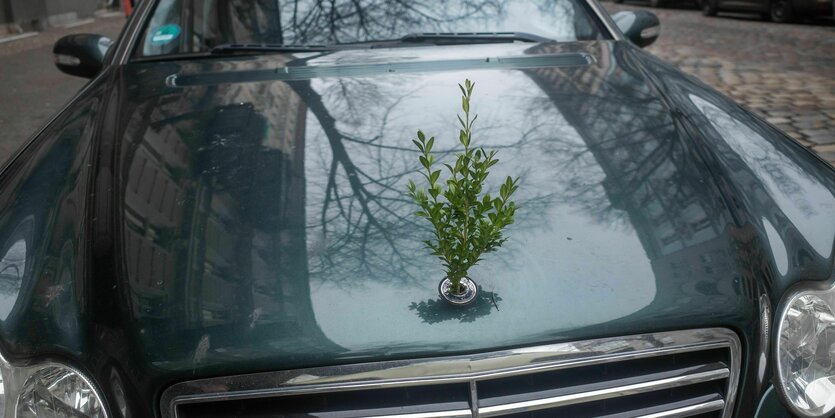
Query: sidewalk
x=105, y=23
x=31, y=88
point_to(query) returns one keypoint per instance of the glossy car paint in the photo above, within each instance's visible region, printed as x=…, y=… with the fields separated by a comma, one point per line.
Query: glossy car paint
x=248, y=214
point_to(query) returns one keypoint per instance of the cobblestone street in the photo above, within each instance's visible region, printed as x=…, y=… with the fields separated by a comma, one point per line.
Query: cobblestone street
x=785, y=72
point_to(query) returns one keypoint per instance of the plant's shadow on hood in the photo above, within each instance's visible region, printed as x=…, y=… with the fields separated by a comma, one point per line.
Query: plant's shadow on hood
x=432, y=311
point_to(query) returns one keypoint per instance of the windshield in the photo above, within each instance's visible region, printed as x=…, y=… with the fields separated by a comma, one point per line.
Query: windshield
x=197, y=26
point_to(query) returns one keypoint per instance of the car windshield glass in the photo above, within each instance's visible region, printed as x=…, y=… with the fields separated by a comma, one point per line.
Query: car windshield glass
x=199, y=26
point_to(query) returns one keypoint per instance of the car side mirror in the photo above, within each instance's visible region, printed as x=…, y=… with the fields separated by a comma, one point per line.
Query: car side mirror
x=81, y=55
x=640, y=26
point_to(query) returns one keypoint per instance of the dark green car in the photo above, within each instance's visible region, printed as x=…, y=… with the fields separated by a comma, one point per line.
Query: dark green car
x=217, y=225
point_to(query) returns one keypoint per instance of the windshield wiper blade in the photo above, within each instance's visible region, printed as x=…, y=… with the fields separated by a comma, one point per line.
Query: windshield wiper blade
x=233, y=48
x=452, y=38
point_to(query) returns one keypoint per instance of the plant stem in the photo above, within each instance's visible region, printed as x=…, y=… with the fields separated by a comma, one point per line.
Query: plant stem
x=465, y=242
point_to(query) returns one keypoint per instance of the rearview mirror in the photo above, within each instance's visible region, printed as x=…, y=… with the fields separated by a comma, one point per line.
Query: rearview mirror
x=81, y=55
x=640, y=27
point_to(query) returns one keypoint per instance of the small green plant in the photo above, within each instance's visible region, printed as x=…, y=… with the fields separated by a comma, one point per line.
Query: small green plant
x=467, y=224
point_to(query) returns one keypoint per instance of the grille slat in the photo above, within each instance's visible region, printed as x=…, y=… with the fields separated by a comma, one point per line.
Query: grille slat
x=601, y=394
x=690, y=407
x=689, y=411
x=663, y=375
x=447, y=414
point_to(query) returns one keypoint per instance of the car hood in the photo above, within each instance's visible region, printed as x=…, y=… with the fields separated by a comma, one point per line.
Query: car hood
x=263, y=221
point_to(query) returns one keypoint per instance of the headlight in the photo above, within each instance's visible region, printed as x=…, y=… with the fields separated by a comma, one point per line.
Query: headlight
x=806, y=352
x=46, y=391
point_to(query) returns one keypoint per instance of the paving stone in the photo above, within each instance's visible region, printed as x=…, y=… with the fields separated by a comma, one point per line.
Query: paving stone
x=810, y=125
x=811, y=118
x=821, y=138
x=803, y=142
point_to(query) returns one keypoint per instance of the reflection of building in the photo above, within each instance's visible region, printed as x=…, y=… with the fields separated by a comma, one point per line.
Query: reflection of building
x=153, y=209
x=214, y=209
x=651, y=175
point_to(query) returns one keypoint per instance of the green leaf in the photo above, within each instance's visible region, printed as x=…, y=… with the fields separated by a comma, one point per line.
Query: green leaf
x=421, y=136
x=434, y=176
x=424, y=162
x=464, y=138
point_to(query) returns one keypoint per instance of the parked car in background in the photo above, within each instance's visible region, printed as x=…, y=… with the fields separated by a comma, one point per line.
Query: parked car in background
x=217, y=224
x=776, y=10
x=661, y=3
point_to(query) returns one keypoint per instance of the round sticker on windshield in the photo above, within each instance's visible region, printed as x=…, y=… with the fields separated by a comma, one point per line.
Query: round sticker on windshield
x=165, y=34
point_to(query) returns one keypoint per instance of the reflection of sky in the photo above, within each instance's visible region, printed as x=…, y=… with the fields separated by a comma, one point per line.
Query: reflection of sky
x=12, y=269
x=778, y=247
x=554, y=20
x=555, y=255
x=807, y=203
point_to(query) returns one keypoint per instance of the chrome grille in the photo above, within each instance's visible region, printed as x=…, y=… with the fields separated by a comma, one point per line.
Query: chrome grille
x=690, y=373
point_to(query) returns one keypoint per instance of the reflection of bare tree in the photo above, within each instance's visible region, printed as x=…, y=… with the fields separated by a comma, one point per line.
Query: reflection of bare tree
x=350, y=20
x=365, y=222
x=337, y=21
x=365, y=225
x=635, y=164
x=370, y=208
x=635, y=172
x=364, y=216
x=12, y=268
x=347, y=21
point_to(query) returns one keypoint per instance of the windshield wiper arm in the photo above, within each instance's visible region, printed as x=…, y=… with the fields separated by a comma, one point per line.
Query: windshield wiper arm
x=434, y=38
x=233, y=48
x=452, y=38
